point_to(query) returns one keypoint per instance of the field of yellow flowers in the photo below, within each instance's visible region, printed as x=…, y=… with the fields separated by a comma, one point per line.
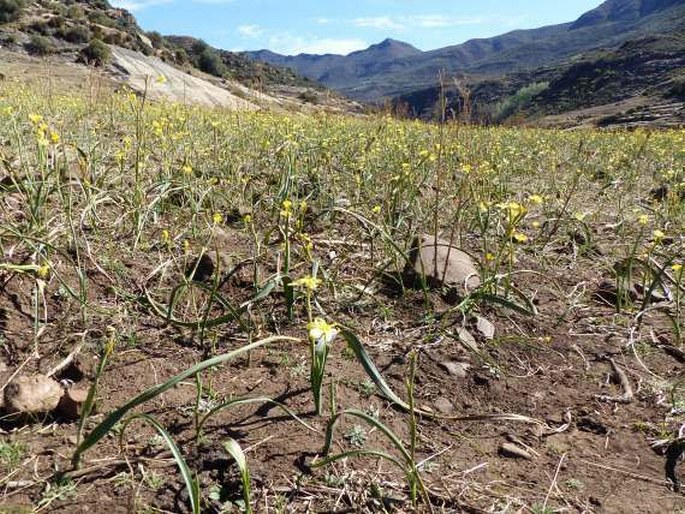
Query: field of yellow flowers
x=219, y=303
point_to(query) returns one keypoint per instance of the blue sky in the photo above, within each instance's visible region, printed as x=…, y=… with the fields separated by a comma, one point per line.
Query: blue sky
x=322, y=26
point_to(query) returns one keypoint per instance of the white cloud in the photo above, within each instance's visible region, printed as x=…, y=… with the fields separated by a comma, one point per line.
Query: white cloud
x=137, y=5
x=441, y=20
x=286, y=43
x=250, y=31
x=378, y=22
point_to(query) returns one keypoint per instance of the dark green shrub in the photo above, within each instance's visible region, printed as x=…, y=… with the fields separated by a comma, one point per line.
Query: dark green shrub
x=156, y=39
x=10, y=10
x=75, y=12
x=77, y=34
x=97, y=53
x=210, y=62
x=39, y=45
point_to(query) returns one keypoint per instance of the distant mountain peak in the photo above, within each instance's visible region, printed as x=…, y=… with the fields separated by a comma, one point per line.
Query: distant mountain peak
x=622, y=11
x=388, y=48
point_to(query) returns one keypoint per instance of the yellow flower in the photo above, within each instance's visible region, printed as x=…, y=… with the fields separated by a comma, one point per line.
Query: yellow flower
x=489, y=257
x=186, y=246
x=309, y=283
x=43, y=271
x=217, y=218
x=161, y=79
x=54, y=137
x=536, y=224
x=35, y=118
x=187, y=169
x=286, y=208
x=166, y=237
x=658, y=236
x=536, y=199
x=519, y=237
x=376, y=209
x=643, y=219
x=247, y=219
x=580, y=216
x=321, y=332
x=677, y=267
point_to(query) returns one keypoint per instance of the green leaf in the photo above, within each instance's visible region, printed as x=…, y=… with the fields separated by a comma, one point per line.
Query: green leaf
x=114, y=417
x=235, y=451
x=191, y=483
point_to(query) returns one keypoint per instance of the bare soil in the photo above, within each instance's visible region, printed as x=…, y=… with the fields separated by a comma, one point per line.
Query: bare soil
x=589, y=451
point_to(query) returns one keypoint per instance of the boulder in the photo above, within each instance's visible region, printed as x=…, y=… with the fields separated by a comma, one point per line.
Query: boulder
x=442, y=264
x=32, y=394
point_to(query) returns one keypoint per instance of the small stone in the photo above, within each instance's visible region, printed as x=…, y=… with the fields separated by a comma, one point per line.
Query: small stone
x=514, y=451
x=444, y=406
x=608, y=292
x=442, y=264
x=73, y=399
x=32, y=394
x=655, y=296
x=486, y=329
x=467, y=339
x=457, y=369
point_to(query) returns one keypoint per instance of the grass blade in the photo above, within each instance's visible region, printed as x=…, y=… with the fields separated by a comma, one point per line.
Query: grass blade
x=372, y=371
x=190, y=481
x=114, y=417
x=235, y=451
x=244, y=401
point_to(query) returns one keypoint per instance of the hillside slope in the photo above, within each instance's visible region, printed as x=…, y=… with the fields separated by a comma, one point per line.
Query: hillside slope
x=67, y=36
x=610, y=25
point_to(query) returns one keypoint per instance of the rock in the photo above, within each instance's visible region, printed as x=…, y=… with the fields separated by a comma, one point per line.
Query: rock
x=486, y=329
x=457, y=369
x=71, y=402
x=608, y=292
x=655, y=296
x=659, y=193
x=444, y=406
x=32, y=394
x=514, y=451
x=467, y=339
x=442, y=264
x=202, y=269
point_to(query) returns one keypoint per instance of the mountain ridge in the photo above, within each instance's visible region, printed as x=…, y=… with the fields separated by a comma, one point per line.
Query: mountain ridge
x=609, y=25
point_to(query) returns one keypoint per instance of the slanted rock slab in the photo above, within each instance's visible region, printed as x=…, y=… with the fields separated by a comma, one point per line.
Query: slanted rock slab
x=442, y=264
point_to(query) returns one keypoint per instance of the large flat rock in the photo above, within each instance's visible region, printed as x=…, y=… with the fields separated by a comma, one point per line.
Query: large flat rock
x=141, y=72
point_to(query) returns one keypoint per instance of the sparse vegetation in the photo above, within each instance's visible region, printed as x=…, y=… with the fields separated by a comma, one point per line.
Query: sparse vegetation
x=97, y=52
x=211, y=258
x=10, y=10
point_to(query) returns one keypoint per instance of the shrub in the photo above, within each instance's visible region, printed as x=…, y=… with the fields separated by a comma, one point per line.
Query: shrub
x=39, y=45
x=77, y=34
x=156, y=39
x=518, y=101
x=210, y=62
x=97, y=53
x=10, y=10
x=75, y=12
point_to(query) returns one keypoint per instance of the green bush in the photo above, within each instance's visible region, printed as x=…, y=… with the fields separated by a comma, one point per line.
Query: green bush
x=77, y=34
x=518, y=101
x=10, y=10
x=39, y=45
x=211, y=63
x=97, y=53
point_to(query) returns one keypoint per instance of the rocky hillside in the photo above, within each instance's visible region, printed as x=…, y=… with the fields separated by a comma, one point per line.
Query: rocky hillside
x=93, y=33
